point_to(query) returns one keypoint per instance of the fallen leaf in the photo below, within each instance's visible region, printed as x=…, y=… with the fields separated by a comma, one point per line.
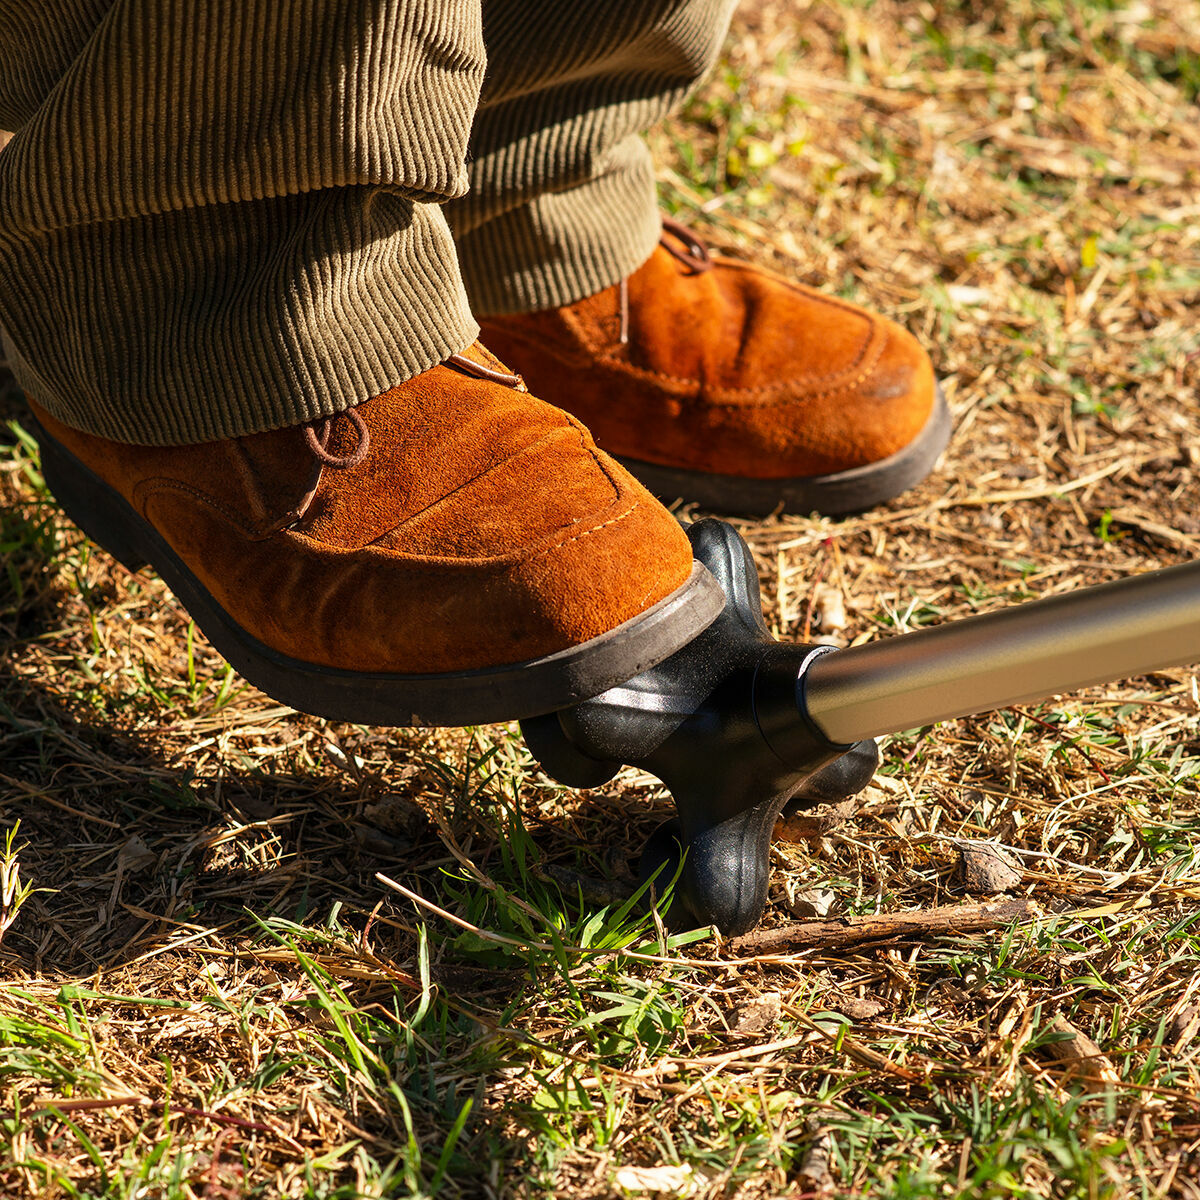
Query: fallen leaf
x=396, y=815
x=1079, y=1054
x=655, y=1179
x=1183, y=1027
x=762, y=1012
x=830, y=606
x=857, y=1008
x=808, y=824
x=135, y=855
x=810, y=902
x=985, y=870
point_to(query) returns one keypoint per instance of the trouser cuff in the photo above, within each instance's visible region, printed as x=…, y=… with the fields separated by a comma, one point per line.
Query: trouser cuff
x=226, y=320
x=565, y=245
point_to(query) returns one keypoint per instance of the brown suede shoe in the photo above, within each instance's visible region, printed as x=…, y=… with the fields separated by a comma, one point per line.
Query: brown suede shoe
x=718, y=382
x=451, y=552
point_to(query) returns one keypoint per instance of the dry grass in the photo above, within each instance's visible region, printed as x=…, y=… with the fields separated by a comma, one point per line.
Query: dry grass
x=213, y=996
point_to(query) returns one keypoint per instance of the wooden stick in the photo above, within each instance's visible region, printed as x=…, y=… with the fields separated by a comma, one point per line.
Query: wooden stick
x=852, y=931
x=1079, y=1054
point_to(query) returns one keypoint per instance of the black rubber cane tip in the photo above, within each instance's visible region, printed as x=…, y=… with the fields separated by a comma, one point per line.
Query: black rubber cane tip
x=844, y=777
x=560, y=758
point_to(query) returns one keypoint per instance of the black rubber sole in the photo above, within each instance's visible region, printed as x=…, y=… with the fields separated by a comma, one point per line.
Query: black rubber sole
x=479, y=697
x=842, y=492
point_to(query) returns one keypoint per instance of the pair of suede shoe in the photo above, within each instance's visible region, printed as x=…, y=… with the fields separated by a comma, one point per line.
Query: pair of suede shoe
x=457, y=551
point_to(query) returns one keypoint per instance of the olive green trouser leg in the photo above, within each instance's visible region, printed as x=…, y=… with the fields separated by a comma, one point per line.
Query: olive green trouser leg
x=221, y=218
x=218, y=218
x=562, y=201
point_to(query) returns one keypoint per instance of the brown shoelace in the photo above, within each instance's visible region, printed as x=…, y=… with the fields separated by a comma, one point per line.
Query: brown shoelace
x=683, y=246
x=468, y=366
x=317, y=434
x=693, y=254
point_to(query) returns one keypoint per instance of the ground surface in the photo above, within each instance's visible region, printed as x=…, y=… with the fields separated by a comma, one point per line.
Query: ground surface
x=200, y=1001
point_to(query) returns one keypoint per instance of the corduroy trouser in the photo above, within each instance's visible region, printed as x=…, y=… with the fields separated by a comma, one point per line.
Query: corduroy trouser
x=219, y=217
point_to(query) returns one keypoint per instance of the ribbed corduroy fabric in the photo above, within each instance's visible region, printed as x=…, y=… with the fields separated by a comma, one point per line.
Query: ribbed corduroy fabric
x=222, y=218
x=562, y=201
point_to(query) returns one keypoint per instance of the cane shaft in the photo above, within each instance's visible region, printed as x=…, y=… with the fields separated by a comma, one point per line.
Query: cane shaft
x=1013, y=656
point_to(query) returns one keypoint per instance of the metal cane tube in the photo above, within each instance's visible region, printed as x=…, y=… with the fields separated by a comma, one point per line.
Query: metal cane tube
x=1013, y=656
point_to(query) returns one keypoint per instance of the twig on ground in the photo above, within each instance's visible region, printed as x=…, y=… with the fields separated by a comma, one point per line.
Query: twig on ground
x=854, y=931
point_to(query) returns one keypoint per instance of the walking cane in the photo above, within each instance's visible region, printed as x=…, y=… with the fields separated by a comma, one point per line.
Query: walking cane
x=736, y=724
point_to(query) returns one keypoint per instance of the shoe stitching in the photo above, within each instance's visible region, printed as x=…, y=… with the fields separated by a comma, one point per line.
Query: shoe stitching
x=595, y=344
x=594, y=451
x=721, y=397
x=702, y=265
x=147, y=489
x=587, y=532
x=264, y=526
x=685, y=387
x=603, y=524
x=864, y=360
x=245, y=468
x=432, y=564
x=411, y=562
x=567, y=426
x=495, y=562
x=516, y=556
